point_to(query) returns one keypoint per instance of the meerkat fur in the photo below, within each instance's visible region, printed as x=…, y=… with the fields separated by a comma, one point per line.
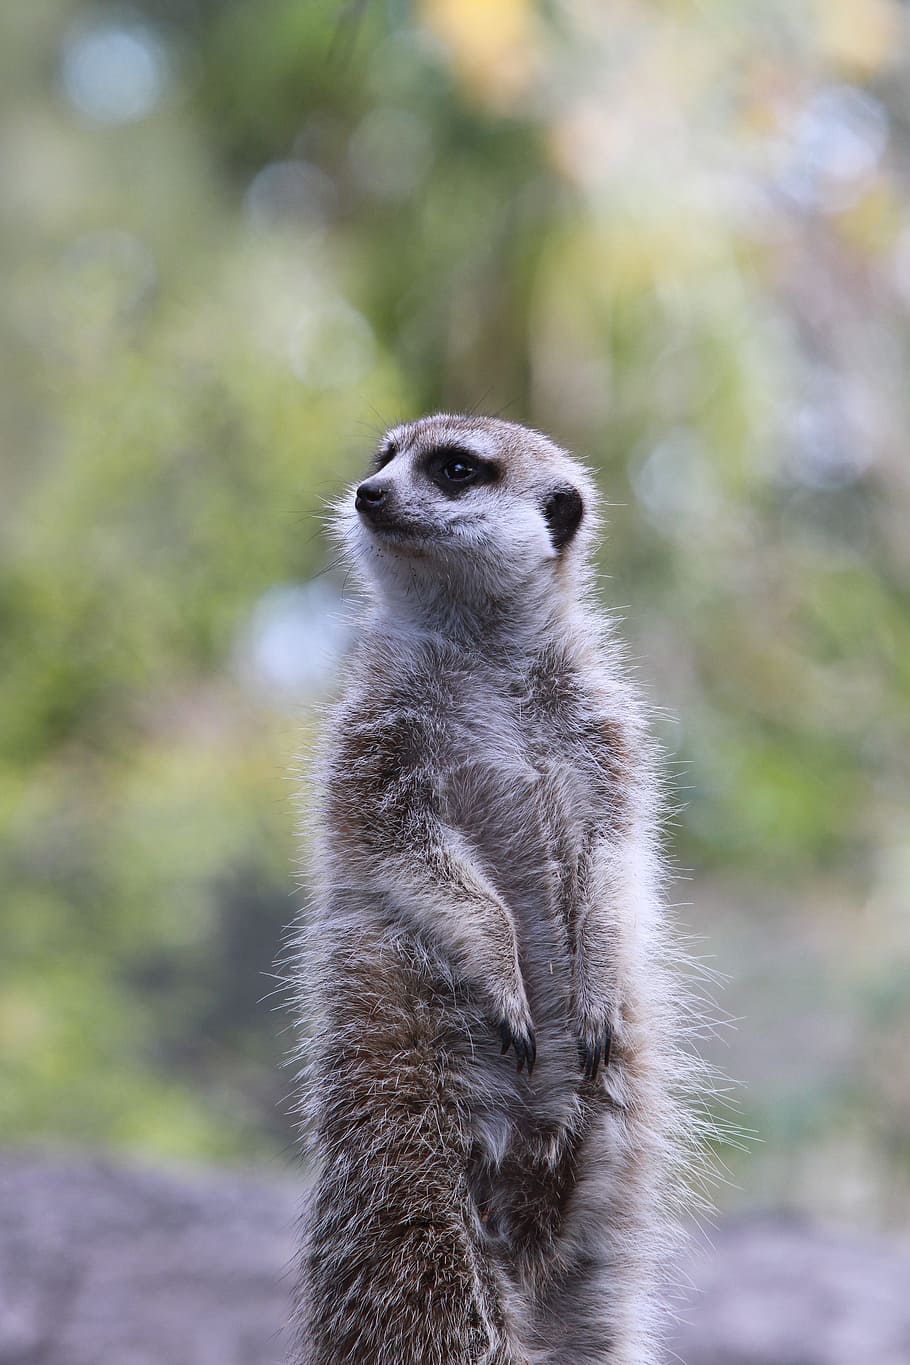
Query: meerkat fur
x=496, y=1067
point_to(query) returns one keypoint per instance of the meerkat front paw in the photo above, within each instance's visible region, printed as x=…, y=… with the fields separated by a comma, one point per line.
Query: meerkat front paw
x=594, y=1018
x=522, y=1039
x=516, y=1029
x=595, y=1044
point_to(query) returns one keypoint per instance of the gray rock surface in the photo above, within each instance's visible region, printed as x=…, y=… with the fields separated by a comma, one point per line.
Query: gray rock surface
x=105, y=1263
x=115, y=1264
x=772, y=1291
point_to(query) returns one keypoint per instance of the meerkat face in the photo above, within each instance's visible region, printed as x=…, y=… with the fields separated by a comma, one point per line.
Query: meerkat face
x=481, y=502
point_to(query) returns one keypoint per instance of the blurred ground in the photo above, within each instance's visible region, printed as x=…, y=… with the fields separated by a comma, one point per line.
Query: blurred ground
x=104, y=1264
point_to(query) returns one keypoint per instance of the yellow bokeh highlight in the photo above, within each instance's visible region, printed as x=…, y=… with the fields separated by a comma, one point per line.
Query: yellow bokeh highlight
x=492, y=45
x=860, y=36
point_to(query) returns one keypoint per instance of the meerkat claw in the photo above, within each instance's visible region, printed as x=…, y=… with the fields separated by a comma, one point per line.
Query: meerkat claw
x=524, y=1044
x=585, y=1058
x=607, y=1046
x=593, y=1052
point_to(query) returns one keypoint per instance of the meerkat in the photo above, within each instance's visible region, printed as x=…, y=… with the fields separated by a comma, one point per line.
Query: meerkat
x=494, y=1069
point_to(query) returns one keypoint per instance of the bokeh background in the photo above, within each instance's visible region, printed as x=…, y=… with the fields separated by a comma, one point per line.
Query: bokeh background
x=239, y=239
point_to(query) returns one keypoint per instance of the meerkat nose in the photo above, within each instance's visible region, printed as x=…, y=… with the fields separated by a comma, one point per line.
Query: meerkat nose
x=370, y=497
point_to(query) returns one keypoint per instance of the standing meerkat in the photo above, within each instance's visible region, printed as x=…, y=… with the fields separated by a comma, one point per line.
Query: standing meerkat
x=494, y=1060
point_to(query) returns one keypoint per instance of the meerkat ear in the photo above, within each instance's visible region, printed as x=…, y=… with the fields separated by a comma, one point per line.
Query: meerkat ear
x=563, y=511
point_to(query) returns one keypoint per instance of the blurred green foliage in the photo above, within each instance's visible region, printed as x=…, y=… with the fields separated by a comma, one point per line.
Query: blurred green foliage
x=239, y=239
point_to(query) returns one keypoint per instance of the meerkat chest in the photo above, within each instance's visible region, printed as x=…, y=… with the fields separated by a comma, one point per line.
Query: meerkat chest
x=520, y=795
x=491, y=791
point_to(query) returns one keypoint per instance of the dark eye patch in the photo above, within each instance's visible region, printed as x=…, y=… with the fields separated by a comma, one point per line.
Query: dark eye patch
x=454, y=469
x=387, y=451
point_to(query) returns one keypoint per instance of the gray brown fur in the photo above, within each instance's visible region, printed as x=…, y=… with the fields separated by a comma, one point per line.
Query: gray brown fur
x=487, y=860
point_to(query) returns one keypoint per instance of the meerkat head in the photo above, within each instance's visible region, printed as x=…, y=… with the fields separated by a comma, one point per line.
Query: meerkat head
x=472, y=507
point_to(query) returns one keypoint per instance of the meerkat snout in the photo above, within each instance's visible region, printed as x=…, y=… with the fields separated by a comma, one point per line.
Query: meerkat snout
x=371, y=495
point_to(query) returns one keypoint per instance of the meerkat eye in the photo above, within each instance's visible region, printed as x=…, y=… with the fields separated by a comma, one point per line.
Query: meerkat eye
x=458, y=470
x=454, y=470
